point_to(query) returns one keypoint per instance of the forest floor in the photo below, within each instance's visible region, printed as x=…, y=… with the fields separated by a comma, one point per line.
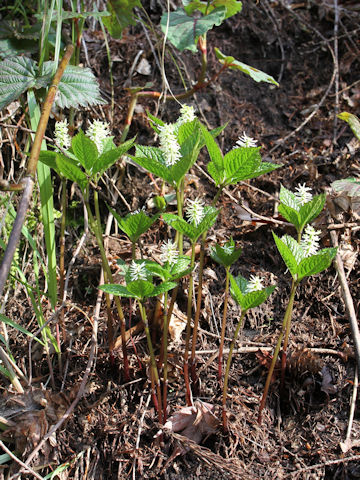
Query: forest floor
x=114, y=424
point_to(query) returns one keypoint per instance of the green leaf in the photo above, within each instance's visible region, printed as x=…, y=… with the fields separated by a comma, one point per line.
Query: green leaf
x=134, y=224
x=180, y=268
x=251, y=299
x=18, y=327
x=265, y=167
x=353, y=122
x=71, y=171
x=121, y=16
x=220, y=254
x=78, y=87
x=152, y=159
x=118, y=290
x=184, y=31
x=216, y=166
x=287, y=255
x=140, y=288
x=48, y=157
x=109, y=157
x=190, y=230
x=189, y=153
x=311, y=210
x=316, y=263
x=85, y=151
x=253, y=72
x=17, y=75
x=232, y=6
x=240, y=163
x=349, y=186
x=290, y=214
x=162, y=288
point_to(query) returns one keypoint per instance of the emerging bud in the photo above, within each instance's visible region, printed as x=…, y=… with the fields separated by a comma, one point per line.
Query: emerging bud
x=98, y=132
x=195, y=211
x=62, y=137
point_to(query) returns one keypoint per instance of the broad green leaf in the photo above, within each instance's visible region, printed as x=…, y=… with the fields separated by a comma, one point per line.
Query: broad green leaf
x=134, y=224
x=49, y=158
x=287, y=255
x=225, y=255
x=232, y=6
x=316, y=263
x=180, y=268
x=71, y=171
x=253, y=72
x=353, y=122
x=184, y=30
x=108, y=158
x=251, y=299
x=17, y=75
x=85, y=151
x=121, y=16
x=240, y=163
x=311, y=210
x=180, y=225
x=152, y=159
x=78, y=87
x=140, y=288
x=263, y=168
x=186, y=130
x=118, y=290
x=350, y=186
x=189, y=153
x=216, y=169
x=162, y=288
x=290, y=215
x=18, y=327
x=289, y=199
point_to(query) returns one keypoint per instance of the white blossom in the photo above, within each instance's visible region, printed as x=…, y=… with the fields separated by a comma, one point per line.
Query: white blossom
x=98, y=131
x=245, y=141
x=187, y=115
x=254, y=284
x=169, y=144
x=195, y=211
x=62, y=136
x=303, y=193
x=169, y=252
x=228, y=249
x=310, y=241
x=138, y=271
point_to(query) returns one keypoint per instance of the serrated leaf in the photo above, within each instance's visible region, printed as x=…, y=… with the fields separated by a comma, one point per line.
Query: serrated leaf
x=216, y=166
x=189, y=152
x=311, y=210
x=78, y=87
x=289, y=214
x=289, y=199
x=109, y=157
x=118, y=290
x=70, y=171
x=232, y=6
x=316, y=263
x=240, y=163
x=186, y=130
x=162, y=288
x=251, y=299
x=85, y=151
x=152, y=159
x=353, y=122
x=17, y=75
x=184, y=31
x=219, y=254
x=253, y=72
x=134, y=225
x=180, y=268
x=179, y=224
x=263, y=168
x=287, y=255
x=140, y=288
x=350, y=186
x=121, y=16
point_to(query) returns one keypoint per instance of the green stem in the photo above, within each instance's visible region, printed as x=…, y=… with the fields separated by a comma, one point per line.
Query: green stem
x=155, y=380
x=188, y=329
x=286, y=321
x=179, y=235
x=62, y=253
x=227, y=371
x=223, y=326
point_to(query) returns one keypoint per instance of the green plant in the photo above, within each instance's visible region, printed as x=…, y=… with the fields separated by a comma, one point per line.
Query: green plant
x=302, y=257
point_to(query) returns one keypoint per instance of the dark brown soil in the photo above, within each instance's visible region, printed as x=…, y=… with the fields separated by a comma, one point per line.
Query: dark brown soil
x=299, y=438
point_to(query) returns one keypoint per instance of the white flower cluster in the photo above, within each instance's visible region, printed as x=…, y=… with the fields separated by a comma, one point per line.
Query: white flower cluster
x=62, y=137
x=98, y=132
x=169, y=252
x=245, y=141
x=187, y=115
x=137, y=271
x=303, y=194
x=195, y=211
x=310, y=241
x=169, y=144
x=228, y=249
x=254, y=284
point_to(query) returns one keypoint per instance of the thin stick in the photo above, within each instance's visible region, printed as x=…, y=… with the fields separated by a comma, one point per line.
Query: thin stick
x=17, y=460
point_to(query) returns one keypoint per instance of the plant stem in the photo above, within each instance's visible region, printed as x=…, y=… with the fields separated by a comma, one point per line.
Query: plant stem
x=188, y=329
x=227, y=371
x=166, y=320
x=223, y=326
x=96, y=228
x=155, y=380
x=287, y=318
x=62, y=253
x=179, y=201
x=294, y=285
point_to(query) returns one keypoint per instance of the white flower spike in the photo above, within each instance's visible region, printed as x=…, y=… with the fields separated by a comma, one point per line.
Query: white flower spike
x=310, y=241
x=62, y=136
x=195, y=211
x=303, y=193
x=228, y=249
x=254, y=284
x=137, y=271
x=98, y=132
x=169, y=144
x=187, y=114
x=169, y=252
x=245, y=141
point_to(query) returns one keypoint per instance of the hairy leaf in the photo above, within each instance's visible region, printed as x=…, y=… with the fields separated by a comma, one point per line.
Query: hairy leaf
x=17, y=75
